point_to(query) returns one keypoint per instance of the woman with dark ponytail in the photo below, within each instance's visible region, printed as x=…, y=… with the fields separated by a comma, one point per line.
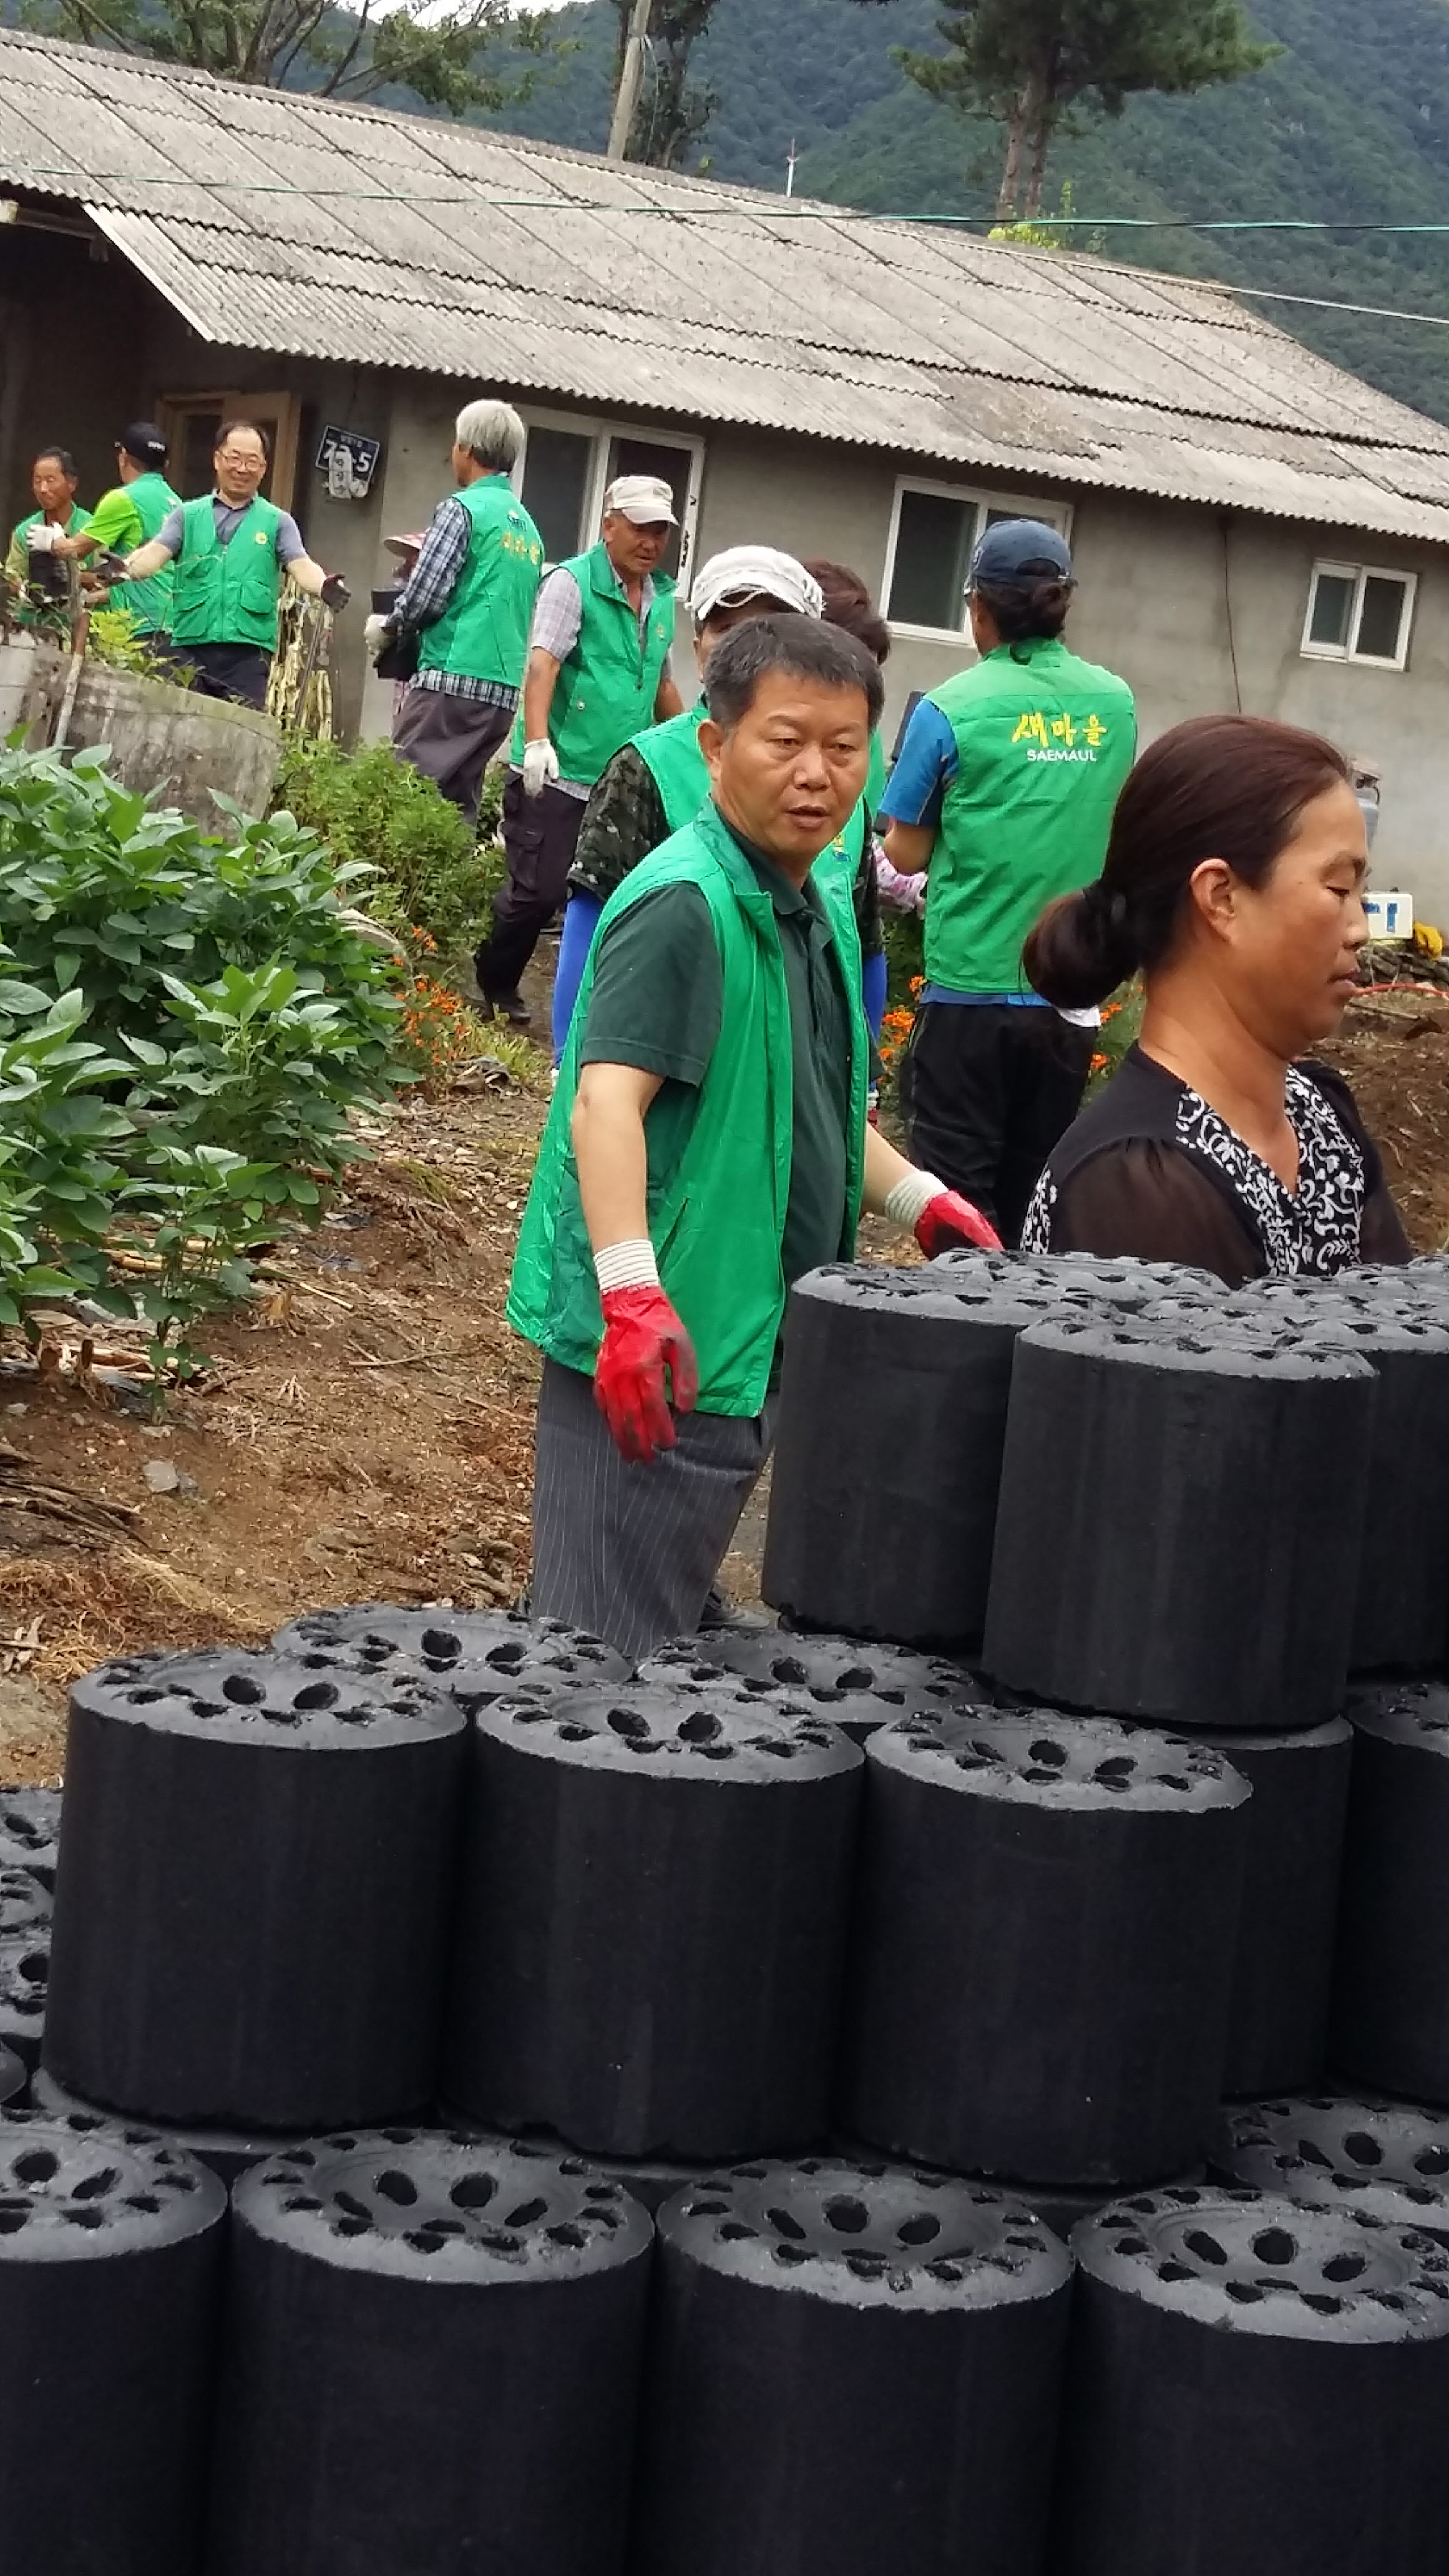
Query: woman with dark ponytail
x=1233, y=883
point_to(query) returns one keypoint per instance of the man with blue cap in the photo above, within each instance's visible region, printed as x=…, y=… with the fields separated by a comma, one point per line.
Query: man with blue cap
x=1003, y=791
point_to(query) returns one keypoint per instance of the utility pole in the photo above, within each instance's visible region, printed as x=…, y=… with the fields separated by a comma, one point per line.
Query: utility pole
x=631, y=81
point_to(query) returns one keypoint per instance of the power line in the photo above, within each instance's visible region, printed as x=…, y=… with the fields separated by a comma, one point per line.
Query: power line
x=790, y=209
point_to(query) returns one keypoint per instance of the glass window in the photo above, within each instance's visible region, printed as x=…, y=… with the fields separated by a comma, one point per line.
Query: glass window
x=1381, y=618
x=934, y=537
x=1333, y=598
x=556, y=471
x=1358, y=615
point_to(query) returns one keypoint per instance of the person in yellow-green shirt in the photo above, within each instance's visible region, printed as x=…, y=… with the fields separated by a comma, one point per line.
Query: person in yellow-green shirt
x=129, y=515
x=54, y=481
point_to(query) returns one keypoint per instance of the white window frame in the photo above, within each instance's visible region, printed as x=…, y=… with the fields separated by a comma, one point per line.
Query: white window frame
x=1056, y=514
x=603, y=432
x=1360, y=575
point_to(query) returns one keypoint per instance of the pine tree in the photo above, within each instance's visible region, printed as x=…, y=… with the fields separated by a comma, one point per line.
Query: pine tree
x=1039, y=67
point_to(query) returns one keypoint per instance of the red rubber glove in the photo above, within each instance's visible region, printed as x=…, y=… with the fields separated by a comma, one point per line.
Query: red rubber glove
x=643, y=1337
x=950, y=1220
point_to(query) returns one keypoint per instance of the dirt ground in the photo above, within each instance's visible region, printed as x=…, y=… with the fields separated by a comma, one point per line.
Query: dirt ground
x=366, y=1434
x=1394, y=1048
x=363, y=1436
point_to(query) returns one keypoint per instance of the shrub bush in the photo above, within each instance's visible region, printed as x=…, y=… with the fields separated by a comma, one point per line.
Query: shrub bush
x=432, y=874
x=185, y=1025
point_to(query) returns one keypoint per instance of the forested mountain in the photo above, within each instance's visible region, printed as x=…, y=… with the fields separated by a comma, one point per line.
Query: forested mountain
x=1351, y=126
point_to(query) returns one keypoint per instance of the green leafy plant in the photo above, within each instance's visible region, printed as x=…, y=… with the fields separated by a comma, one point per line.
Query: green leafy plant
x=187, y=1024
x=431, y=873
x=112, y=640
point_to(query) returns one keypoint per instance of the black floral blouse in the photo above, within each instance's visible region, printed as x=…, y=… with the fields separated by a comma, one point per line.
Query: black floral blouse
x=1149, y=1169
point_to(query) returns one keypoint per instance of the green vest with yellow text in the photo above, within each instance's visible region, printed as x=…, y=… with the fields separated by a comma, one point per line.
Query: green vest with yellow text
x=228, y=594
x=719, y=1157
x=607, y=685
x=1043, y=745
x=483, y=632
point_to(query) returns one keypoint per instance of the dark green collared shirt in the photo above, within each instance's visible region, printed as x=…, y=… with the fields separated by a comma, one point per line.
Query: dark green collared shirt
x=657, y=1001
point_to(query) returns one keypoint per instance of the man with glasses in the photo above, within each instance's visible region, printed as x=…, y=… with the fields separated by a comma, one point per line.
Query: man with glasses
x=231, y=550
x=597, y=674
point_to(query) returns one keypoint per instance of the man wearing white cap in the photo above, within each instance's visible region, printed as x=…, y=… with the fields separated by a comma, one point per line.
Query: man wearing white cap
x=598, y=672
x=659, y=781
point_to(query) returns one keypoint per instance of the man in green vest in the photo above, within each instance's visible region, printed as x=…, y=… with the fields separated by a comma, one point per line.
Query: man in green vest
x=707, y=1144
x=41, y=594
x=127, y=517
x=597, y=673
x=1004, y=790
x=466, y=607
x=231, y=551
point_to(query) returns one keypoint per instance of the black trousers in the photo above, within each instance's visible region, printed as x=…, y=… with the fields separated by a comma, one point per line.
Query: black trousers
x=451, y=740
x=239, y=672
x=987, y=1089
x=539, y=836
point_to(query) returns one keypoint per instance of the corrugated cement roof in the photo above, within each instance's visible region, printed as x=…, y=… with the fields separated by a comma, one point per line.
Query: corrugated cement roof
x=299, y=225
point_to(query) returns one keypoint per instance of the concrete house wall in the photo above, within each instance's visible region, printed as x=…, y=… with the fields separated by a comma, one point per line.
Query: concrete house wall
x=1199, y=610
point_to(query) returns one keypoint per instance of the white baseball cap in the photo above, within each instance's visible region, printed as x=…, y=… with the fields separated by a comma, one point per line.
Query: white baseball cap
x=644, y=498
x=754, y=572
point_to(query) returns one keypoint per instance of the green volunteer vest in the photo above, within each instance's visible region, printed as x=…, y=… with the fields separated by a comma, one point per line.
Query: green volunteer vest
x=148, y=602
x=227, y=594
x=717, y=1206
x=483, y=632
x=78, y=519
x=17, y=563
x=1044, y=743
x=607, y=686
x=671, y=754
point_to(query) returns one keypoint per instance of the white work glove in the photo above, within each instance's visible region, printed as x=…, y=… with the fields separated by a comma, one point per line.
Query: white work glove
x=43, y=537
x=376, y=632
x=540, y=766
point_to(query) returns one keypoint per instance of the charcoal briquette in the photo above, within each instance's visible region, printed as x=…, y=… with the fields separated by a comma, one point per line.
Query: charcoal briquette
x=254, y=1892
x=432, y=2350
x=1043, y=1947
x=24, y=1983
x=1253, y=2385
x=853, y=2369
x=110, y=2260
x=30, y=1831
x=1179, y=1526
x=1340, y=2151
x=651, y=1922
x=857, y=1686
x=1283, y=1961
x=474, y=1655
x=1390, y=2022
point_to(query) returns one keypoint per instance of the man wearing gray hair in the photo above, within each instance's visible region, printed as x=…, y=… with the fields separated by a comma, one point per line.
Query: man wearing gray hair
x=467, y=605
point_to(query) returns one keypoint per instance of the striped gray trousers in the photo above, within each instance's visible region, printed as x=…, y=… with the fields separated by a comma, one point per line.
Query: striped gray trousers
x=629, y=1552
